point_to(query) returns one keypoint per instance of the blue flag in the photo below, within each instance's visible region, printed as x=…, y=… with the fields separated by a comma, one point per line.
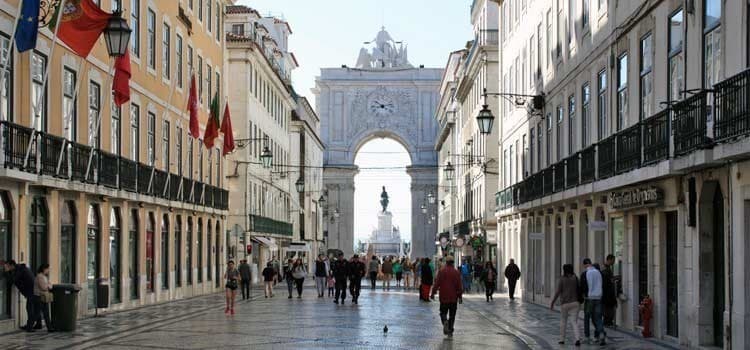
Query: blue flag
x=28, y=25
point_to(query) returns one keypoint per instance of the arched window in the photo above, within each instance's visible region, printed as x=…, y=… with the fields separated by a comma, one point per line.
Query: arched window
x=150, y=253
x=164, y=252
x=93, y=253
x=68, y=242
x=6, y=242
x=38, y=233
x=133, y=257
x=189, y=251
x=178, y=251
x=115, y=269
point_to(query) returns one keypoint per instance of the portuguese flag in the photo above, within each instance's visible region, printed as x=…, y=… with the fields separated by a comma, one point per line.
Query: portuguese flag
x=81, y=24
x=212, y=128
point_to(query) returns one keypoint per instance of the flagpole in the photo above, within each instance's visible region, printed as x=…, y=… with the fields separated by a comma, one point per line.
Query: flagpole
x=68, y=113
x=45, y=77
x=111, y=72
x=163, y=116
x=6, y=58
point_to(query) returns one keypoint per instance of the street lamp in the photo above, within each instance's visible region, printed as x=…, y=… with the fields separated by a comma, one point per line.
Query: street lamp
x=117, y=34
x=431, y=197
x=266, y=157
x=448, y=171
x=485, y=119
x=322, y=200
x=424, y=208
x=300, y=184
x=336, y=213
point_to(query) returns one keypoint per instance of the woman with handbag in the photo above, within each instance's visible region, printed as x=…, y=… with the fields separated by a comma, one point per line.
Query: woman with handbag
x=298, y=273
x=42, y=298
x=232, y=278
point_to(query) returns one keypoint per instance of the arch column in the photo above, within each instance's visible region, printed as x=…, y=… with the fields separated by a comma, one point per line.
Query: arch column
x=339, y=182
x=423, y=230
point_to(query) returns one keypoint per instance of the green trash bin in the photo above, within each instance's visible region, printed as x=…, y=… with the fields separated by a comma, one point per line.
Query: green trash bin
x=65, y=306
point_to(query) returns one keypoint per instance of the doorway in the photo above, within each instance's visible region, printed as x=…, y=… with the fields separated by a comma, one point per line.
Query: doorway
x=642, y=231
x=711, y=262
x=38, y=233
x=672, y=274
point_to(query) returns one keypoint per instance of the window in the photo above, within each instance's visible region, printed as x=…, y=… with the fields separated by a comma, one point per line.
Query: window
x=190, y=4
x=151, y=139
x=711, y=43
x=559, y=141
x=549, y=139
x=571, y=21
x=602, y=6
x=524, y=150
x=217, y=31
x=200, y=163
x=571, y=123
x=506, y=178
x=209, y=96
x=218, y=167
x=164, y=252
x=532, y=63
x=538, y=59
x=133, y=257
x=510, y=165
x=549, y=37
x=647, y=78
x=200, y=79
x=200, y=10
x=67, y=239
x=135, y=22
x=178, y=148
x=238, y=29
x=622, y=90
x=190, y=157
x=94, y=115
x=676, y=74
x=209, y=17
x=69, y=104
x=115, y=130
x=166, y=47
x=531, y=149
x=190, y=69
x=585, y=13
x=93, y=253
x=218, y=87
x=560, y=28
x=178, y=58
x=151, y=39
x=539, y=146
x=585, y=114
x=135, y=116
x=602, y=104
x=38, y=93
x=150, y=268
x=6, y=95
x=165, y=145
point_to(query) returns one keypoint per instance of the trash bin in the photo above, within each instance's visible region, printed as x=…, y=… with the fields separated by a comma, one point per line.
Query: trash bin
x=65, y=306
x=102, y=293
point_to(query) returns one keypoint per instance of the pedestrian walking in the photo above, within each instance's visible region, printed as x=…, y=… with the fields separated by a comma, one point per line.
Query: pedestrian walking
x=245, y=278
x=289, y=277
x=232, y=279
x=298, y=273
x=340, y=270
x=591, y=282
x=512, y=273
x=23, y=279
x=426, y=279
x=478, y=273
x=448, y=284
x=372, y=270
x=408, y=272
x=489, y=278
x=331, y=282
x=609, y=292
x=570, y=303
x=356, y=273
x=42, y=298
x=397, y=270
x=321, y=272
x=387, y=270
x=269, y=276
x=467, y=274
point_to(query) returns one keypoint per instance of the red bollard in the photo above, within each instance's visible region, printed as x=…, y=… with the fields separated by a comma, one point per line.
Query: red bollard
x=647, y=311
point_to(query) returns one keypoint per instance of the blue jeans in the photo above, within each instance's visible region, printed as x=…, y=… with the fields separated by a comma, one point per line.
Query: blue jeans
x=593, y=314
x=466, y=280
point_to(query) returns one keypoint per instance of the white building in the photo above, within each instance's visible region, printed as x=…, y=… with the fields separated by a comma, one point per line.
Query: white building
x=260, y=66
x=638, y=151
x=465, y=202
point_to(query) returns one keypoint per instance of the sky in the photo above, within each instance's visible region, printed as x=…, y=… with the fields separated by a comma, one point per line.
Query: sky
x=329, y=33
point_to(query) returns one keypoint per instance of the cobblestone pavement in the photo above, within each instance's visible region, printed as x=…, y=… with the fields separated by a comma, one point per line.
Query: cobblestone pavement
x=313, y=323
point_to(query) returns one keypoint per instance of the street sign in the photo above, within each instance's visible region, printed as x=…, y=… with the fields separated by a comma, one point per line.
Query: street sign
x=536, y=236
x=598, y=226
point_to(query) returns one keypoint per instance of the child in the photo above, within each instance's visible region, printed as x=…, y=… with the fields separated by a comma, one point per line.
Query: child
x=331, y=283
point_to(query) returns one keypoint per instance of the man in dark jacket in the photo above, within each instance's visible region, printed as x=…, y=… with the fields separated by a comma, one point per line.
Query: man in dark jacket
x=448, y=283
x=245, y=279
x=23, y=279
x=512, y=273
x=356, y=273
x=340, y=270
x=609, y=296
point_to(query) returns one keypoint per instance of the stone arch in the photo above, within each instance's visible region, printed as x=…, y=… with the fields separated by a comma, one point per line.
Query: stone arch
x=365, y=137
x=712, y=249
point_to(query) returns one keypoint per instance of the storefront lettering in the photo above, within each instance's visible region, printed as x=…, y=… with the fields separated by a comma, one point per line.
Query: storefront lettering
x=634, y=198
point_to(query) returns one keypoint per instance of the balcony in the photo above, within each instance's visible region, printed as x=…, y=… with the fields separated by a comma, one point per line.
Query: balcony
x=462, y=228
x=104, y=169
x=656, y=138
x=571, y=170
x=606, y=150
x=732, y=103
x=588, y=164
x=547, y=180
x=559, y=180
x=689, y=124
x=263, y=224
x=629, y=149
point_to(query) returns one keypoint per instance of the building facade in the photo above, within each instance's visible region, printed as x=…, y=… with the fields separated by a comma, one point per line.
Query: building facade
x=260, y=64
x=133, y=201
x=466, y=204
x=638, y=152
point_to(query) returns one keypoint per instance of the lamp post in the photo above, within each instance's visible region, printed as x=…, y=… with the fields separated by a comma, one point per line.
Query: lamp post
x=431, y=197
x=300, y=184
x=266, y=157
x=448, y=171
x=117, y=34
x=485, y=119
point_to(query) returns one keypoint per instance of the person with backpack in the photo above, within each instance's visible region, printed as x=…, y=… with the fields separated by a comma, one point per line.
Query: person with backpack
x=570, y=302
x=512, y=273
x=321, y=272
x=489, y=277
x=340, y=270
x=467, y=274
x=269, y=275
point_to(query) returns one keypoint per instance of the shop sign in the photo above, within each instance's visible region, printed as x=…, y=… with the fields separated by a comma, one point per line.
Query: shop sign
x=635, y=198
x=536, y=236
x=598, y=226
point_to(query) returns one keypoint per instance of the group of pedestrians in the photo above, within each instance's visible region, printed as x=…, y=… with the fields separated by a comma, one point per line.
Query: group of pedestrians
x=596, y=291
x=36, y=290
x=403, y=270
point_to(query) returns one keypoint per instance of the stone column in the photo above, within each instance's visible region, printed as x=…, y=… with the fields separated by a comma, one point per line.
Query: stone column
x=339, y=182
x=423, y=229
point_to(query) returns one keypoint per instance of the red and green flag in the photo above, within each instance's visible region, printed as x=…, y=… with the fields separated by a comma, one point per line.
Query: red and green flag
x=212, y=128
x=226, y=129
x=81, y=24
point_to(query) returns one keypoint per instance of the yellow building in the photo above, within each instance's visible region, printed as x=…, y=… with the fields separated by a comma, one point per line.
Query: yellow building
x=148, y=217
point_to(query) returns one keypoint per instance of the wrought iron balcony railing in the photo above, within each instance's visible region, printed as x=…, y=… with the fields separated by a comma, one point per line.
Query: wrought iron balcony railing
x=559, y=181
x=629, y=149
x=732, y=102
x=689, y=124
x=656, y=137
x=263, y=224
x=588, y=164
x=571, y=170
x=606, y=153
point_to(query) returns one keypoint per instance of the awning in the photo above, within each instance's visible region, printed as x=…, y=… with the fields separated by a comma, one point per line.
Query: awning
x=298, y=247
x=268, y=242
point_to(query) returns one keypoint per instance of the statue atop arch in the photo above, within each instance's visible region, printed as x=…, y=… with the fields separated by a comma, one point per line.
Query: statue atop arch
x=386, y=53
x=384, y=199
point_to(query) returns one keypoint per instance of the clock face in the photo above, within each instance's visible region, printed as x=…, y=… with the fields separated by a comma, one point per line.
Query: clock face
x=382, y=106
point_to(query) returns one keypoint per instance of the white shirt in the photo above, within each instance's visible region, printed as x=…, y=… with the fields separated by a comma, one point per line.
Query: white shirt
x=594, y=282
